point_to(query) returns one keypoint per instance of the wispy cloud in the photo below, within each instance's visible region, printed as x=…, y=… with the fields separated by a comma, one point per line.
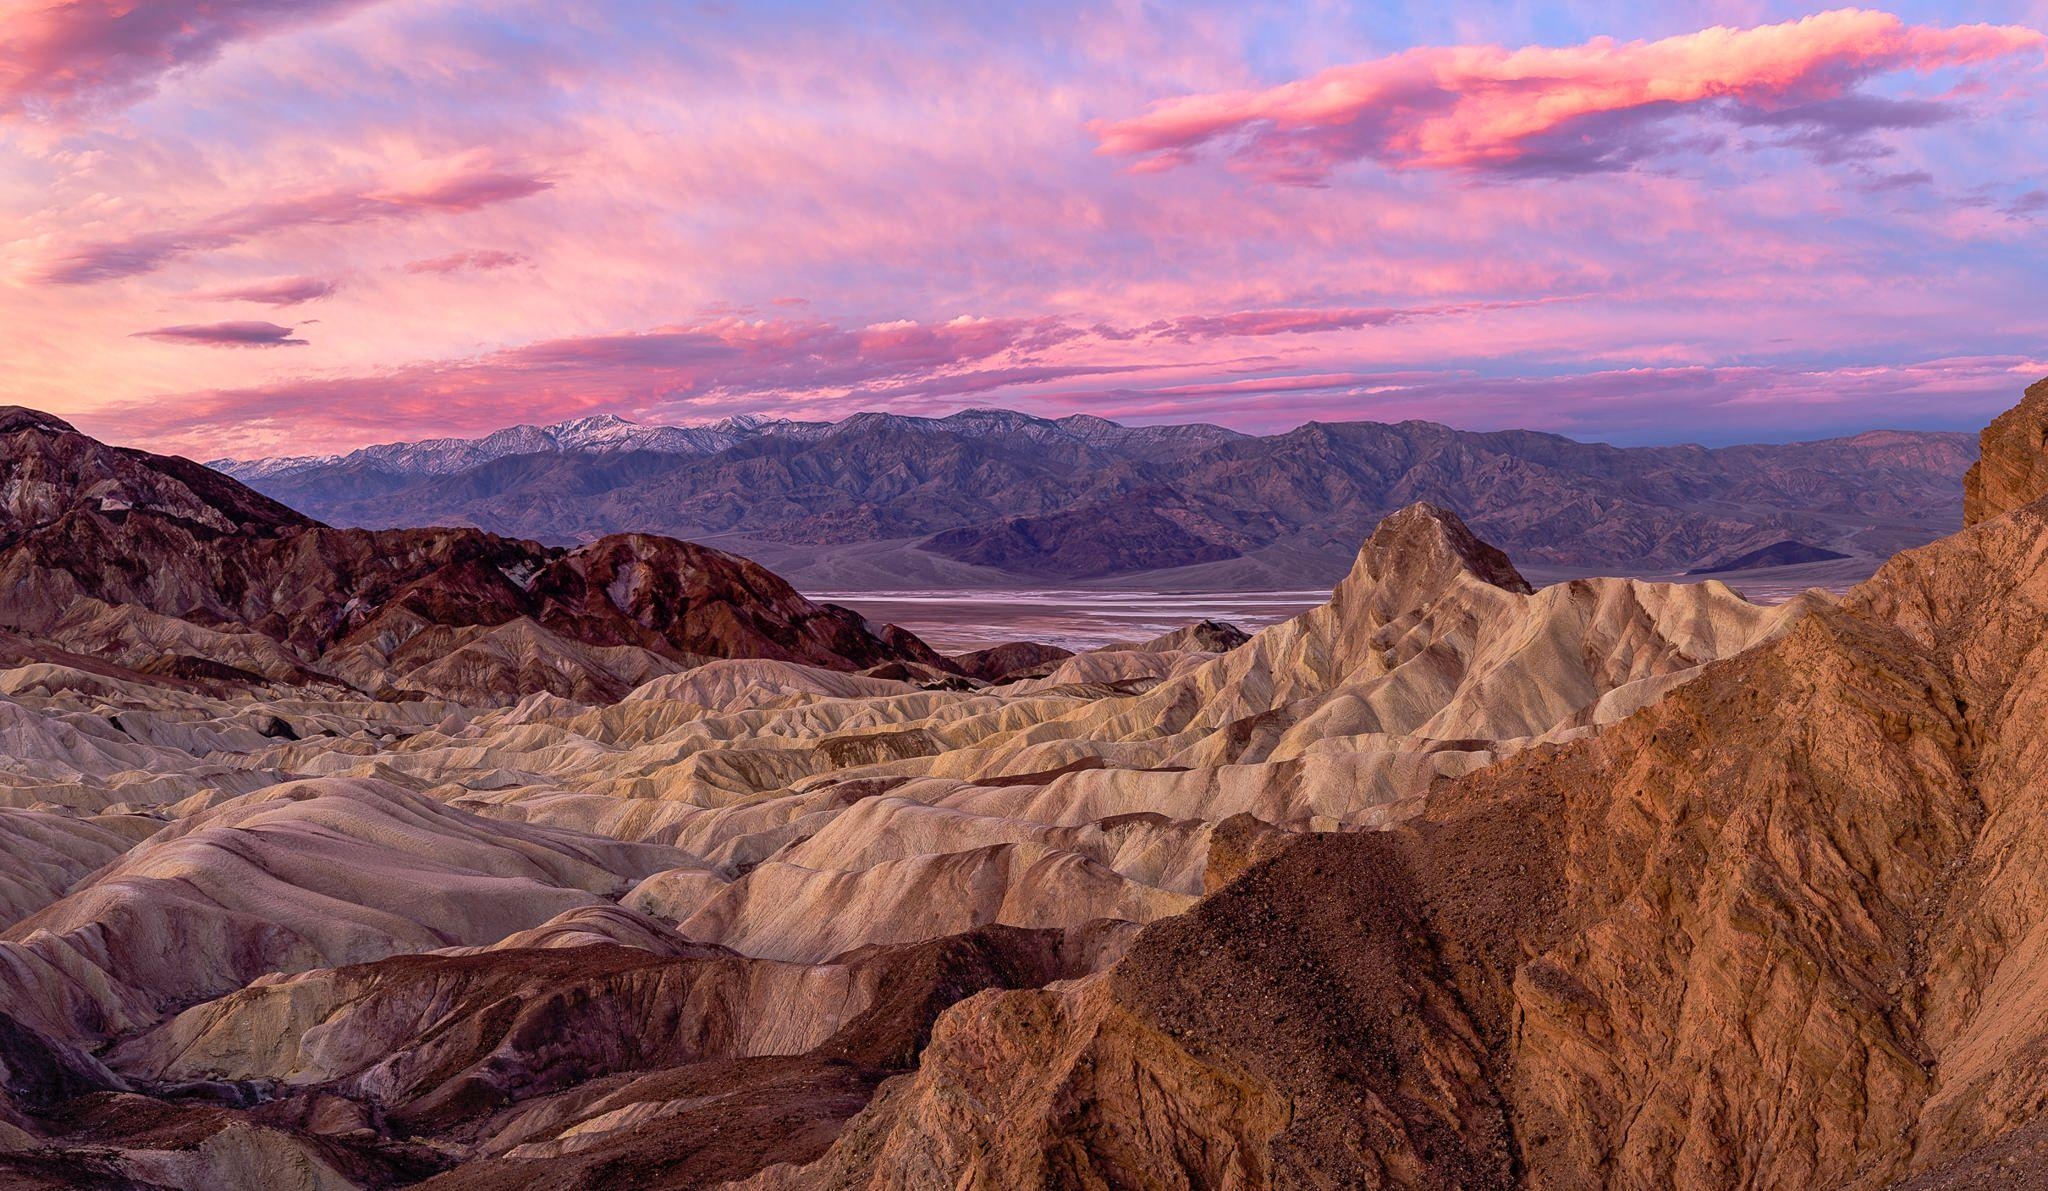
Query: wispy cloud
x=1850, y=188
x=1724, y=404
x=666, y=369
x=458, y=184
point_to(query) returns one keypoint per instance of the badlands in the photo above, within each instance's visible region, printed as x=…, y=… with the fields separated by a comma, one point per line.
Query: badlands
x=340, y=859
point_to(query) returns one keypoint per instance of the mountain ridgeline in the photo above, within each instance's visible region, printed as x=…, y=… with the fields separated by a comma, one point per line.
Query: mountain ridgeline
x=991, y=497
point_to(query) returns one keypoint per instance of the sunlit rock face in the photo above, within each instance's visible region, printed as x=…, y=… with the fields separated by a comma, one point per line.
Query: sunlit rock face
x=2012, y=461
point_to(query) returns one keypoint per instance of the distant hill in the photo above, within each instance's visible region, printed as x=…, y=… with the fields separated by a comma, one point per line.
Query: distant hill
x=1778, y=554
x=991, y=497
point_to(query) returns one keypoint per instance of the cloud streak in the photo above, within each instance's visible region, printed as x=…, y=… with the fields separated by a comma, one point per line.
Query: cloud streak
x=481, y=260
x=1800, y=194
x=1321, y=320
x=1725, y=404
x=1599, y=106
x=229, y=334
x=452, y=186
x=272, y=291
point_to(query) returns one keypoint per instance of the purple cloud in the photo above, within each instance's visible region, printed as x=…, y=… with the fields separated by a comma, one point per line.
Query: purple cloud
x=273, y=291
x=229, y=334
x=2028, y=204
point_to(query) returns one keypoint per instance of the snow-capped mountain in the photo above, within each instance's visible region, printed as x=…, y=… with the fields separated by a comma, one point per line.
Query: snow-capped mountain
x=607, y=434
x=600, y=434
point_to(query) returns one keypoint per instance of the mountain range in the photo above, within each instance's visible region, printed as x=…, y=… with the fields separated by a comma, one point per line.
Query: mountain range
x=997, y=498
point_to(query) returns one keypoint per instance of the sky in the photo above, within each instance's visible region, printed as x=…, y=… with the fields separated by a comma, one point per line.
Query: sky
x=259, y=227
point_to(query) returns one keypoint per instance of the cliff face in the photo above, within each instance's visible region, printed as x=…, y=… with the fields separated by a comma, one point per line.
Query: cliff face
x=2012, y=464
x=1787, y=926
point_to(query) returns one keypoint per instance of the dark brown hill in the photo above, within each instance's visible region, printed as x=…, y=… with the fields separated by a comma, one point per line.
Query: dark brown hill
x=85, y=525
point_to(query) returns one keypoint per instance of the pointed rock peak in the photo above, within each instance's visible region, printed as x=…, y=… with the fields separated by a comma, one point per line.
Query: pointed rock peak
x=2012, y=468
x=592, y=422
x=15, y=418
x=1421, y=547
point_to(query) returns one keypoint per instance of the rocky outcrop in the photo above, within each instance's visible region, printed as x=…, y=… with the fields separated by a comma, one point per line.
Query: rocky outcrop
x=567, y=1067
x=558, y=938
x=1010, y=661
x=51, y=474
x=300, y=874
x=1207, y=636
x=2012, y=463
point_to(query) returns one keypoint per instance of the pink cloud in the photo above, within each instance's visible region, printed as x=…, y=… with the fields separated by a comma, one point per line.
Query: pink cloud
x=230, y=334
x=460, y=184
x=272, y=291
x=681, y=367
x=1737, y=403
x=481, y=260
x=1753, y=402
x=1594, y=106
x=58, y=58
